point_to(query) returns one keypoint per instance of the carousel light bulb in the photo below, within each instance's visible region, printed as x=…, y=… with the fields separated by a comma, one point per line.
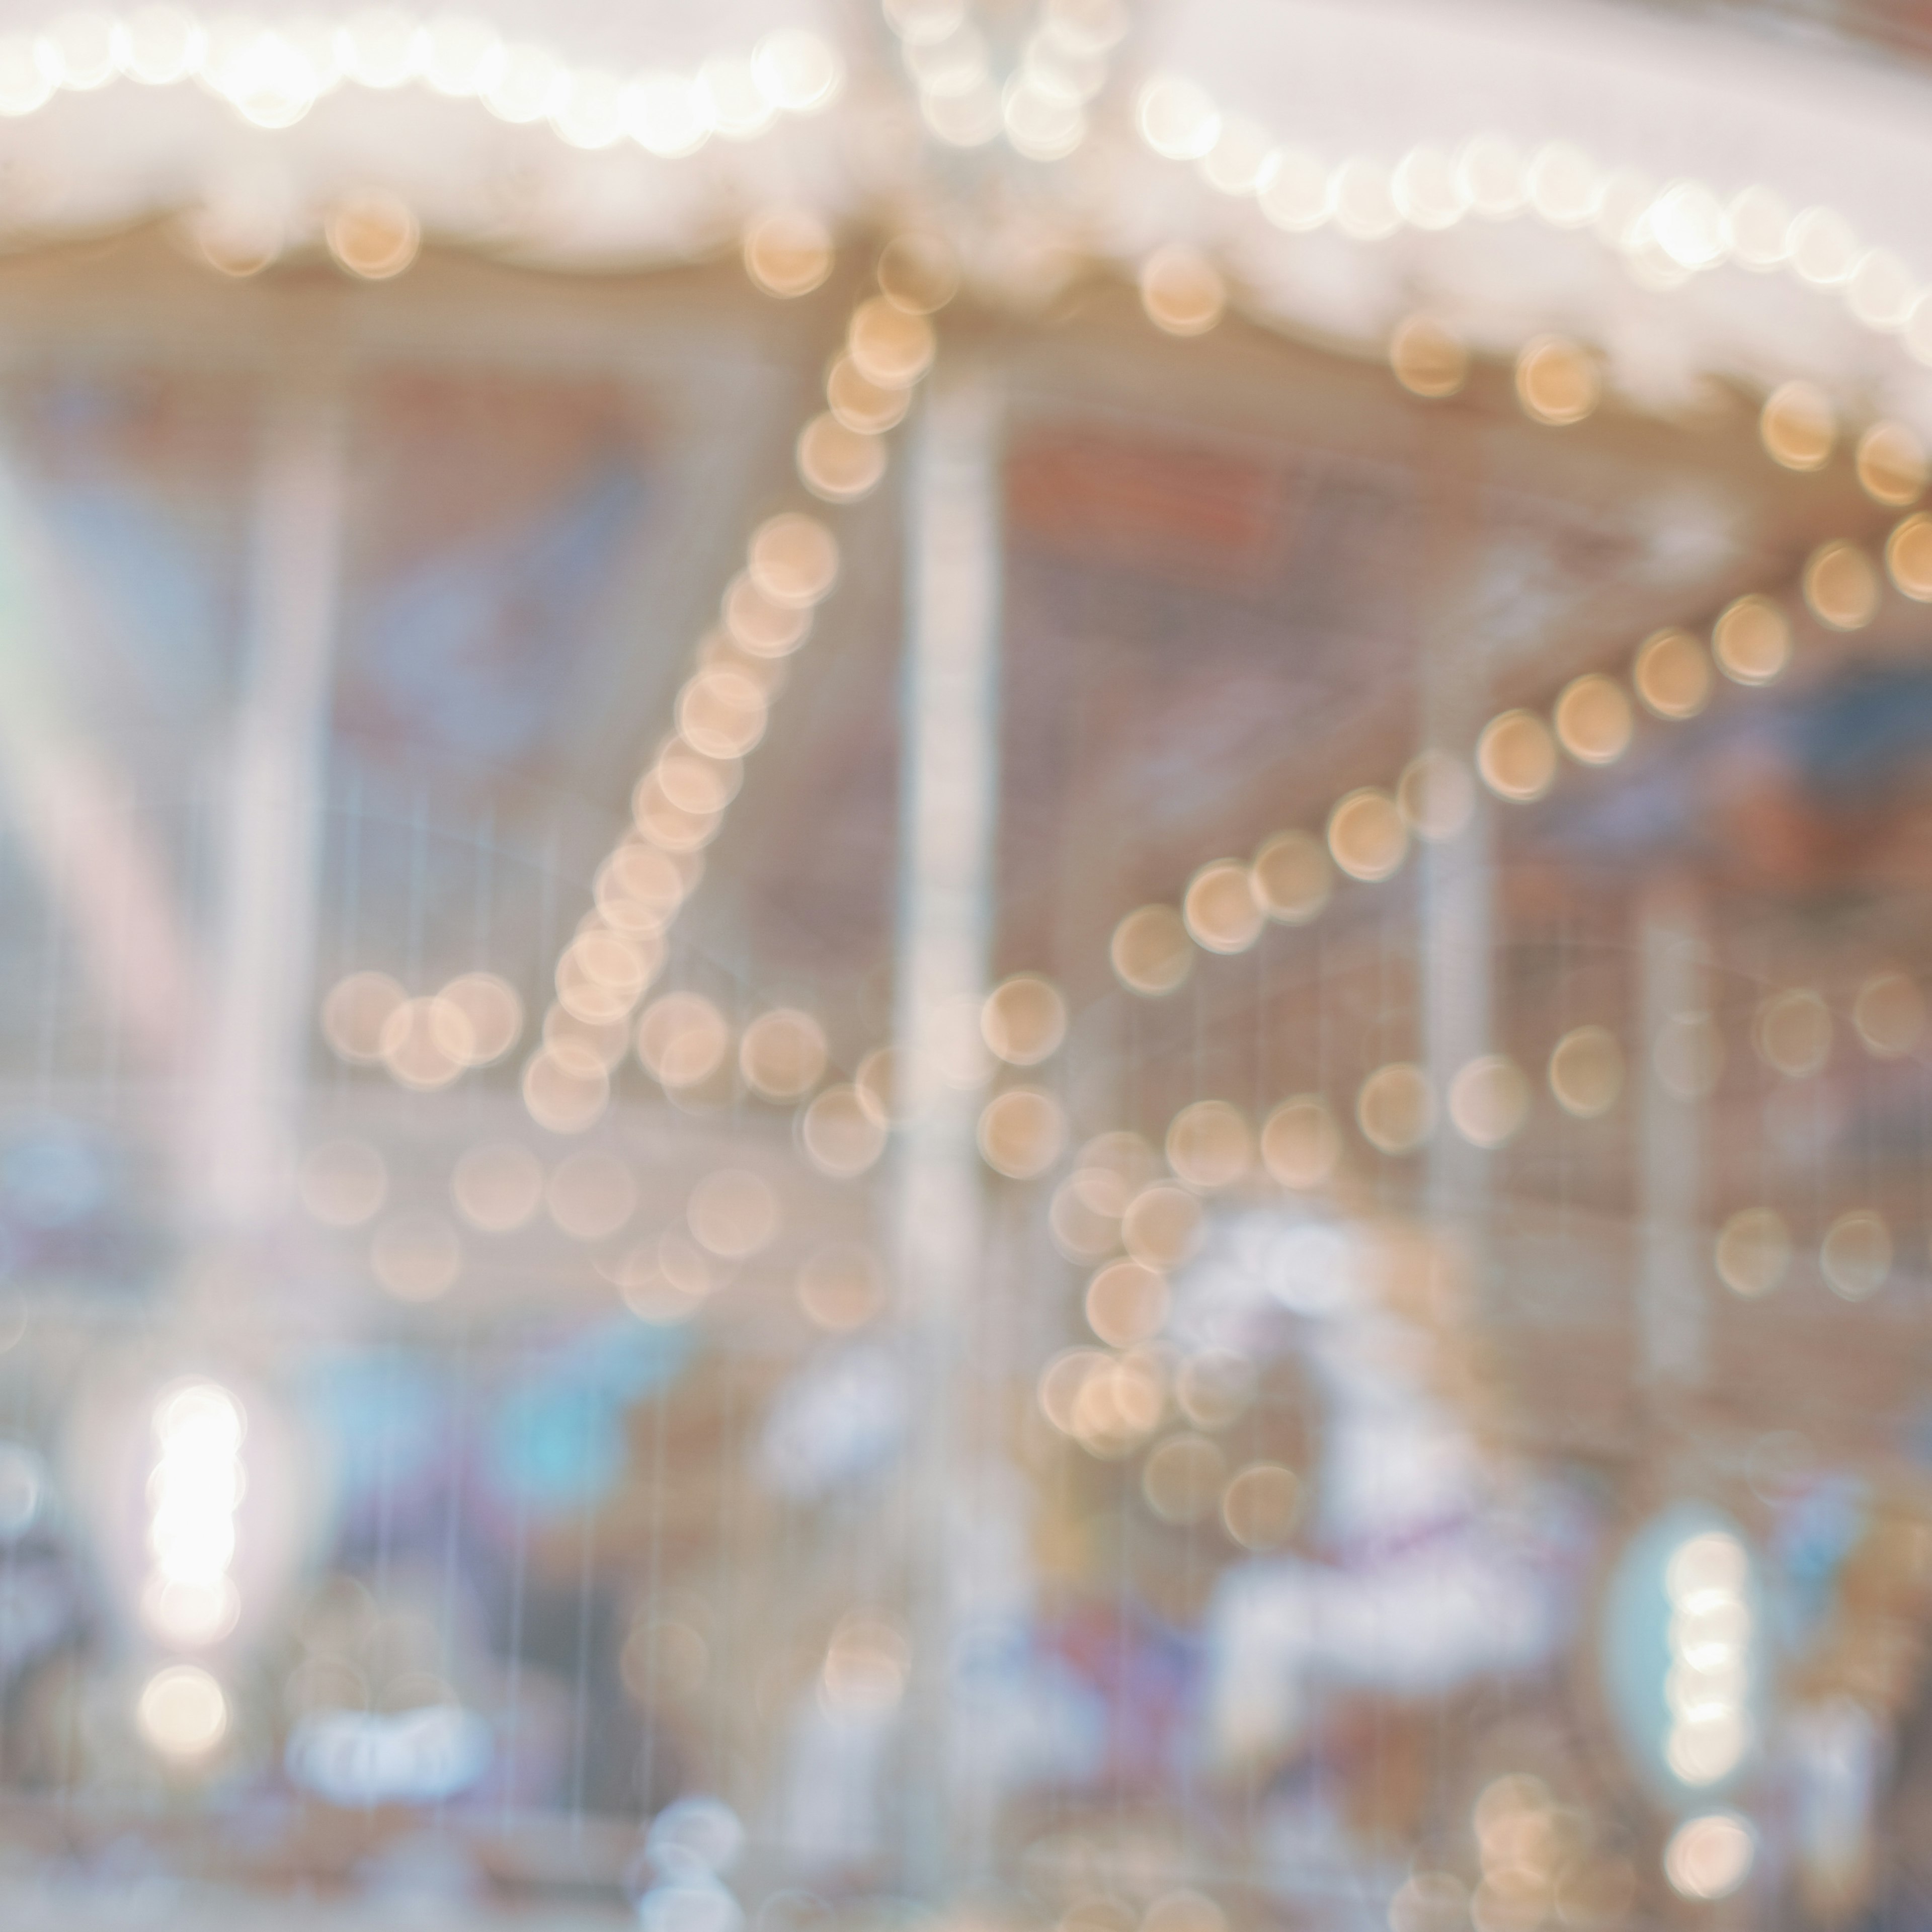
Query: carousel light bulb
x=195, y=1485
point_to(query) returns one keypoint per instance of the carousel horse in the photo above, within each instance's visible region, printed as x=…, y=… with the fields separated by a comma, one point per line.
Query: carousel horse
x=1426, y=1568
x=1425, y=1573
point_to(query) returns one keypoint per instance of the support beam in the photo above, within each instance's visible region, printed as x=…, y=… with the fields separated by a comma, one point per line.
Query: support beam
x=1458, y=872
x=79, y=827
x=260, y=1014
x=1677, y=1069
x=950, y=782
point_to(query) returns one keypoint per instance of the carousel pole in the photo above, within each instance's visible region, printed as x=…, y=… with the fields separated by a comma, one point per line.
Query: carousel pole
x=1674, y=1081
x=1458, y=871
x=259, y=1018
x=950, y=782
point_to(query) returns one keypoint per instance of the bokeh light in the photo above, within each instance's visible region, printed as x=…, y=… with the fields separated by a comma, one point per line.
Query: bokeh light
x=1057, y=1389
x=1084, y=1217
x=601, y=974
x=788, y=252
x=1182, y=291
x=1126, y=1303
x=1908, y=557
x=721, y=712
x=1150, y=951
x=490, y=1010
x=1220, y=908
x=1215, y=1387
x=1751, y=640
x=1023, y=1020
x=764, y=628
x=427, y=1043
x=194, y=1489
x=1118, y=1402
x=1889, y=1012
x=1797, y=426
x=1261, y=1505
x=861, y=405
x=640, y=888
x=373, y=234
x=1182, y=1478
x=840, y=1135
x=1435, y=795
x=1891, y=464
x=693, y=783
x=1161, y=1225
x=1396, y=1108
x=1557, y=383
x=565, y=1089
x=1593, y=719
x=1841, y=587
x=918, y=271
x=1855, y=1255
x=1291, y=878
x=1427, y=359
x=1367, y=837
x=357, y=1008
x=794, y=560
x=1586, y=1072
x=866, y=1664
x=1296, y=191
x=1021, y=1132
x=667, y=1281
x=182, y=1712
x=1793, y=1032
x=1488, y=1101
x=1710, y=1856
x=1301, y=1143
x=838, y=462
x=1176, y=118
x=570, y=1038
x=1209, y=1145
x=1671, y=675
x=888, y=1086
x=668, y=826
x=782, y=1054
x=1711, y=1636
x=683, y=1039
x=1753, y=1251
x=888, y=345
x=1516, y=757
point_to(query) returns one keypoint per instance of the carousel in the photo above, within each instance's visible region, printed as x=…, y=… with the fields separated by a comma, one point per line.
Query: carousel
x=965, y=967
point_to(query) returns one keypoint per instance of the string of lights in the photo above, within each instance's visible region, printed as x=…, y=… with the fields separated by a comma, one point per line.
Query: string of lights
x=272, y=75
x=1665, y=234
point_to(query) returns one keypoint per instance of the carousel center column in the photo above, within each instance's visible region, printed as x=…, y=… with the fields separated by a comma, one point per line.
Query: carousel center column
x=950, y=782
x=252, y=1076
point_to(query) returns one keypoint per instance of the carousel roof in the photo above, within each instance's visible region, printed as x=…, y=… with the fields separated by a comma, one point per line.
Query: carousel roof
x=1723, y=192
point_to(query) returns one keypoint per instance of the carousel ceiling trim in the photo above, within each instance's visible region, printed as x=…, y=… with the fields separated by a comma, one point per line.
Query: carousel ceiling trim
x=1462, y=146
x=272, y=74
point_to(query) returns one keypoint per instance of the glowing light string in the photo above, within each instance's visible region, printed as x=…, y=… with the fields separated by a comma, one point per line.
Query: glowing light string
x=1666, y=236
x=273, y=76
x=791, y=564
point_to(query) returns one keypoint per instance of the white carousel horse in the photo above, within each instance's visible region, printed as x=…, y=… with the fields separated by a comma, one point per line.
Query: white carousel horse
x=1429, y=1569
